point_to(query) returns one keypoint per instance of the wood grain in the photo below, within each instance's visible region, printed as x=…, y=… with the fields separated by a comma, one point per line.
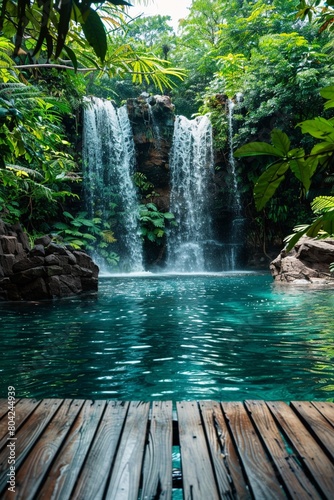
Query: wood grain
x=157, y=471
x=28, y=435
x=114, y=450
x=256, y=464
x=294, y=478
x=231, y=482
x=310, y=453
x=35, y=468
x=199, y=480
x=125, y=478
x=94, y=475
x=65, y=469
x=320, y=428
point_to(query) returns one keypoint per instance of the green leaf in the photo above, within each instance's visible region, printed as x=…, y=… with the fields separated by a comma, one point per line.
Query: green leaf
x=158, y=222
x=318, y=127
x=152, y=206
x=169, y=216
x=280, y=141
x=88, y=236
x=67, y=214
x=72, y=56
x=72, y=232
x=95, y=33
x=303, y=168
x=268, y=182
x=322, y=147
x=292, y=239
x=257, y=149
x=60, y=225
x=151, y=236
x=327, y=92
x=322, y=203
x=63, y=25
x=75, y=243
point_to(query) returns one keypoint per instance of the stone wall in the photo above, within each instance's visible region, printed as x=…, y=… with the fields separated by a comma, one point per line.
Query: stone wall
x=45, y=271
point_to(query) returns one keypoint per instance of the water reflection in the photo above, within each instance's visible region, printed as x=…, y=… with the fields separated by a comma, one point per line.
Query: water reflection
x=226, y=337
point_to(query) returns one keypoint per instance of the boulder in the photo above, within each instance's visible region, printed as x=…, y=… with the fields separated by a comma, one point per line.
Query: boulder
x=308, y=262
x=46, y=271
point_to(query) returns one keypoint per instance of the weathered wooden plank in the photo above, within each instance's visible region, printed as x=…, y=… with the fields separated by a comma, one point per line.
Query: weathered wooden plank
x=125, y=478
x=3, y=407
x=65, y=469
x=310, y=453
x=199, y=480
x=320, y=427
x=326, y=409
x=33, y=471
x=94, y=475
x=27, y=436
x=157, y=471
x=231, y=482
x=23, y=409
x=259, y=471
x=296, y=482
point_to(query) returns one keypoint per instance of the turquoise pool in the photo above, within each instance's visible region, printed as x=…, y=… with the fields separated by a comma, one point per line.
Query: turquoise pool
x=230, y=336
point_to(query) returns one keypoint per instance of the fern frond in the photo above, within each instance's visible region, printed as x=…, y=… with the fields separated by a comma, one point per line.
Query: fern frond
x=323, y=204
x=29, y=171
x=108, y=236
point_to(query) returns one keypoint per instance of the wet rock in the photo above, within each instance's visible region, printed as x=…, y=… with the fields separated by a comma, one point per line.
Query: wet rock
x=46, y=271
x=43, y=240
x=308, y=262
x=37, y=250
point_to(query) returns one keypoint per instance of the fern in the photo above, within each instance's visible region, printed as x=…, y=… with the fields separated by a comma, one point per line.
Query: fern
x=323, y=204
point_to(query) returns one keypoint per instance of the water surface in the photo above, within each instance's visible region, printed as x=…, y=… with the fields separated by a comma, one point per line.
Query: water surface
x=229, y=336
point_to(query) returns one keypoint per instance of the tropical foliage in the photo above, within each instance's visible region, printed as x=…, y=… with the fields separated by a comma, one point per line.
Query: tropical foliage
x=153, y=222
x=272, y=59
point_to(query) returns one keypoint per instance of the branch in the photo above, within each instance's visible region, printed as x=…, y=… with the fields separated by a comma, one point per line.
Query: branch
x=57, y=66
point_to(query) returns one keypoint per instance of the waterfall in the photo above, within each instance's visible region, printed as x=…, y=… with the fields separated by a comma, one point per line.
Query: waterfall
x=237, y=222
x=109, y=159
x=191, y=166
x=155, y=127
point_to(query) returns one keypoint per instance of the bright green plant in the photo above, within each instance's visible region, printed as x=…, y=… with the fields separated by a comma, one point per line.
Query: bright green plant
x=296, y=160
x=36, y=168
x=48, y=23
x=303, y=166
x=153, y=222
x=231, y=72
x=79, y=231
x=321, y=227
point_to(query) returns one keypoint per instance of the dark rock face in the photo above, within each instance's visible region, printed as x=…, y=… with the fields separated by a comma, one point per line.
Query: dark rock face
x=308, y=262
x=45, y=271
x=152, y=120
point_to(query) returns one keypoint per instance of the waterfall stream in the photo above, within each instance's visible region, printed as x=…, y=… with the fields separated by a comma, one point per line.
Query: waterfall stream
x=191, y=165
x=109, y=158
x=237, y=222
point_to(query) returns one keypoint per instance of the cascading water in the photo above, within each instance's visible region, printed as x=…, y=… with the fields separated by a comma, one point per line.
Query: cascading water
x=155, y=127
x=237, y=223
x=109, y=157
x=191, y=166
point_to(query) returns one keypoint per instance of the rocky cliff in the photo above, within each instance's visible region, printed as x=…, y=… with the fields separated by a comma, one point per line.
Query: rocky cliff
x=45, y=271
x=152, y=120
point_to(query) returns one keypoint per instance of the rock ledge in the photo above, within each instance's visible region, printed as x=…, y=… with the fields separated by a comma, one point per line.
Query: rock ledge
x=46, y=271
x=307, y=263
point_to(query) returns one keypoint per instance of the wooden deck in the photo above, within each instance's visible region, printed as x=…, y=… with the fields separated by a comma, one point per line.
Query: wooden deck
x=75, y=449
